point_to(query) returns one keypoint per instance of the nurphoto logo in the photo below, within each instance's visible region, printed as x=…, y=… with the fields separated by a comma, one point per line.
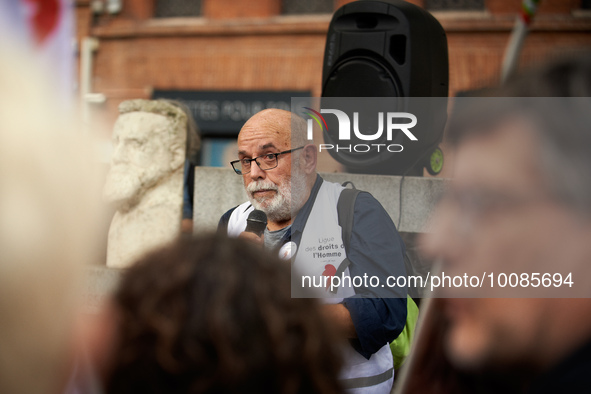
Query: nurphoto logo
x=392, y=121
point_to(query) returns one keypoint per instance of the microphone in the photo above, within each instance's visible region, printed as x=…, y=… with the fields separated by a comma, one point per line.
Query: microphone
x=256, y=222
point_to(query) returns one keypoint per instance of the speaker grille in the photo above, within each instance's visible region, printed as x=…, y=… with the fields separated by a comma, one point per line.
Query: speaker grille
x=361, y=77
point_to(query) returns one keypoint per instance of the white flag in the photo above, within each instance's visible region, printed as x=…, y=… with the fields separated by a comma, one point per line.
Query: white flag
x=44, y=28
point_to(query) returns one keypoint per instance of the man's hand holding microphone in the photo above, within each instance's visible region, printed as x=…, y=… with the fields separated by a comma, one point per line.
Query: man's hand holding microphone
x=255, y=227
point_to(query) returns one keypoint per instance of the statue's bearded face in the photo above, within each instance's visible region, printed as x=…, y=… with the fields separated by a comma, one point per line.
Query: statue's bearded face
x=141, y=156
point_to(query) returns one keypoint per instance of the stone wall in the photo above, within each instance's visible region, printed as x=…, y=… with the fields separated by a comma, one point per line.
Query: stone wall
x=219, y=189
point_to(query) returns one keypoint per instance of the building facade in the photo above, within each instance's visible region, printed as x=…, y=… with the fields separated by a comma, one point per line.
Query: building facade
x=235, y=55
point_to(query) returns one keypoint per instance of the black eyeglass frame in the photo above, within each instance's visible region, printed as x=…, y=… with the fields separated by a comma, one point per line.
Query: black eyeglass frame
x=240, y=172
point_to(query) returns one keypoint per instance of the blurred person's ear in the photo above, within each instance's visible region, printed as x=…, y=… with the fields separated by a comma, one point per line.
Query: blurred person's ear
x=91, y=347
x=96, y=338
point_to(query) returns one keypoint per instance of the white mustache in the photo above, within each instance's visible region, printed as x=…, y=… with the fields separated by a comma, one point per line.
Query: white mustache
x=261, y=185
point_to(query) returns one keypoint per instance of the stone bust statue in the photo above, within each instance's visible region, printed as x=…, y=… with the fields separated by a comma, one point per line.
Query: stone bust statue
x=145, y=180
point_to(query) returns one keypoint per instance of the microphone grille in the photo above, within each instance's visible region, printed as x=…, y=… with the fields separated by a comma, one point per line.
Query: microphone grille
x=258, y=216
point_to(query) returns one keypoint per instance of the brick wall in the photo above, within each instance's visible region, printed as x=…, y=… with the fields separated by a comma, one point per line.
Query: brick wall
x=241, y=45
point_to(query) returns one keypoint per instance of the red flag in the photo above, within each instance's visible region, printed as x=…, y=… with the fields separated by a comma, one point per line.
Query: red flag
x=44, y=18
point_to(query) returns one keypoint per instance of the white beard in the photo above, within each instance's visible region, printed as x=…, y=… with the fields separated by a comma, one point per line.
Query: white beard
x=122, y=186
x=288, y=199
x=277, y=208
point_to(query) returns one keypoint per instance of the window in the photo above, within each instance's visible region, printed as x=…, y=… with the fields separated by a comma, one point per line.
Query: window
x=454, y=5
x=177, y=8
x=298, y=7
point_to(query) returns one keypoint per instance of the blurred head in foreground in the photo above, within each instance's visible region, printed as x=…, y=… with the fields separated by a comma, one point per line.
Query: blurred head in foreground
x=520, y=202
x=215, y=315
x=45, y=222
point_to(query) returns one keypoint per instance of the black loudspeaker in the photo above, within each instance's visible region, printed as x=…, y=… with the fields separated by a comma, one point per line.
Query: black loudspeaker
x=388, y=49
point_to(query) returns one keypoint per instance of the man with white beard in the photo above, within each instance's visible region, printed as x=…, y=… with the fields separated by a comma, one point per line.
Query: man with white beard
x=278, y=166
x=145, y=181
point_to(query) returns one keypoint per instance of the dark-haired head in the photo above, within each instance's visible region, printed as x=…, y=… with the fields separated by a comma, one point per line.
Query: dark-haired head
x=212, y=314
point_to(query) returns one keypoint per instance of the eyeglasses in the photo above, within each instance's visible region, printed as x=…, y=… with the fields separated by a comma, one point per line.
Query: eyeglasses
x=265, y=162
